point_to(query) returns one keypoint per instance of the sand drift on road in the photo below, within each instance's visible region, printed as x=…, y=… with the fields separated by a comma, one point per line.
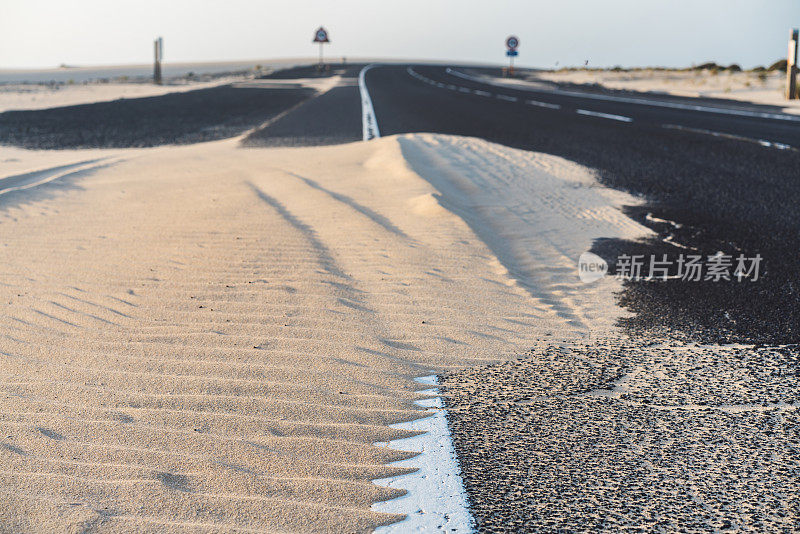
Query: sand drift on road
x=214, y=337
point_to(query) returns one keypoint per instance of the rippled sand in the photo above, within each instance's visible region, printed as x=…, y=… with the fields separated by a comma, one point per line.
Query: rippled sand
x=211, y=337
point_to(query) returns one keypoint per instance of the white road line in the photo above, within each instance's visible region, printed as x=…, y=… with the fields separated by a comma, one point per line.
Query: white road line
x=621, y=118
x=369, y=121
x=463, y=90
x=603, y=115
x=779, y=146
x=542, y=104
x=640, y=101
x=436, y=500
x=762, y=142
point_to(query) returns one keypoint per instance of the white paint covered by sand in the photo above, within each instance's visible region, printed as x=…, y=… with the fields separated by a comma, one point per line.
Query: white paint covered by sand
x=212, y=337
x=435, y=500
x=538, y=214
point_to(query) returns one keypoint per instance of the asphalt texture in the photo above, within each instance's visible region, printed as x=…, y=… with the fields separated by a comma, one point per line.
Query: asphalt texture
x=174, y=118
x=314, y=71
x=630, y=438
x=333, y=117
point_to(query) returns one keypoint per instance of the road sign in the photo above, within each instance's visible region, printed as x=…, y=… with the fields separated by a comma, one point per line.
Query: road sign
x=321, y=36
x=791, y=66
x=512, y=43
x=158, y=55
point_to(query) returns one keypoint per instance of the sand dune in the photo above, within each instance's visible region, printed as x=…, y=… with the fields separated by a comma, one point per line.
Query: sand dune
x=212, y=338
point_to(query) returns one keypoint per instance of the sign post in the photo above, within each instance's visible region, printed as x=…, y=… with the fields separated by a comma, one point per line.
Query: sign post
x=321, y=37
x=512, y=43
x=158, y=52
x=791, y=67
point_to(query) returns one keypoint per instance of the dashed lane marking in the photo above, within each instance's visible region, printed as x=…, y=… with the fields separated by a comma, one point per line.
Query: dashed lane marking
x=639, y=101
x=541, y=104
x=762, y=142
x=619, y=118
x=507, y=98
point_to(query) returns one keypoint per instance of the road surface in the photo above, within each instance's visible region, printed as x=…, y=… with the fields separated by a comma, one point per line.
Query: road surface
x=718, y=176
x=547, y=441
x=551, y=446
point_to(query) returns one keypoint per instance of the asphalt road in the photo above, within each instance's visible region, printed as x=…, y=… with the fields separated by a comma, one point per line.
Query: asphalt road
x=634, y=435
x=761, y=123
x=173, y=118
x=540, y=448
x=332, y=117
x=718, y=176
x=630, y=437
x=722, y=191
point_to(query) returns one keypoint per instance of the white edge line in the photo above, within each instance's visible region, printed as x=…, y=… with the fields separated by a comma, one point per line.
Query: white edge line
x=762, y=142
x=640, y=101
x=369, y=121
x=619, y=118
x=435, y=500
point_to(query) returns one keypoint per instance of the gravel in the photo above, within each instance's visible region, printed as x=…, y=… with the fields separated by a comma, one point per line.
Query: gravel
x=619, y=436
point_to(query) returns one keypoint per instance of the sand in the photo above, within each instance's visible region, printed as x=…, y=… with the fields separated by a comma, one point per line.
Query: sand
x=209, y=338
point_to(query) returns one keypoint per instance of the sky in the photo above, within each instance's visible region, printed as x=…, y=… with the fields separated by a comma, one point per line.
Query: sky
x=47, y=33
